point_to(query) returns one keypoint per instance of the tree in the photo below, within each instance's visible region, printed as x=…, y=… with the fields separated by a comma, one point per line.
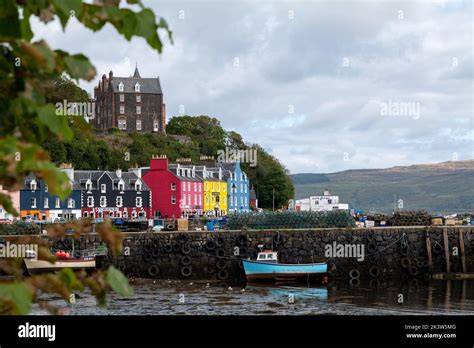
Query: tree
x=27, y=70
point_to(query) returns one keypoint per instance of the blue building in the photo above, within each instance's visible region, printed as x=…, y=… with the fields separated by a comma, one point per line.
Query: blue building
x=37, y=203
x=238, y=187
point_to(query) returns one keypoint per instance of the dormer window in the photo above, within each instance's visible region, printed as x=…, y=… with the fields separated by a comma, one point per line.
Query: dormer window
x=137, y=87
x=45, y=188
x=89, y=186
x=138, y=186
x=121, y=186
x=120, y=86
x=33, y=185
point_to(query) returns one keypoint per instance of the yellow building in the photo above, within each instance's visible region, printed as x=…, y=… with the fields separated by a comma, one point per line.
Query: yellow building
x=215, y=191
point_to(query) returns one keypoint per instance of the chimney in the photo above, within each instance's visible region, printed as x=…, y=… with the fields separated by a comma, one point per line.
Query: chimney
x=159, y=162
x=326, y=192
x=184, y=160
x=208, y=161
x=118, y=172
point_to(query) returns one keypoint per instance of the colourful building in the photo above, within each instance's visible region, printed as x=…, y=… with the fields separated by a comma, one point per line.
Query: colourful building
x=177, y=190
x=215, y=190
x=238, y=192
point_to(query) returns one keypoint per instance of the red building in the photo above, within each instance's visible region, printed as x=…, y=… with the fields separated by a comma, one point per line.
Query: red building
x=177, y=191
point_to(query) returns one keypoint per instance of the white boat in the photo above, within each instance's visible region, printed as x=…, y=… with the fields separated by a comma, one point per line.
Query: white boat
x=86, y=260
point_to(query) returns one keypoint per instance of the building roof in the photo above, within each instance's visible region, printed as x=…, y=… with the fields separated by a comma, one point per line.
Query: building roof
x=147, y=85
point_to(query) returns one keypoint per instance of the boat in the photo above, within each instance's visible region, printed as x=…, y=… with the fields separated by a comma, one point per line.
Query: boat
x=76, y=260
x=267, y=268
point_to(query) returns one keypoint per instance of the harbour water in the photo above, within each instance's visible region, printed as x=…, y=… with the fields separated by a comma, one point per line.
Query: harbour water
x=162, y=297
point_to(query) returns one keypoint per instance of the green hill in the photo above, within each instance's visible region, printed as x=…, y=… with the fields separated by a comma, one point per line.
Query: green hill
x=446, y=187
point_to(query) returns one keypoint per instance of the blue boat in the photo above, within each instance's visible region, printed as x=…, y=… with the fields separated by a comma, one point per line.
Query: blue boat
x=267, y=268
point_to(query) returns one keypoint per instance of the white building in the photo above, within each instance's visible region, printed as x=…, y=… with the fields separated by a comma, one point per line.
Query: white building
x=326, y=202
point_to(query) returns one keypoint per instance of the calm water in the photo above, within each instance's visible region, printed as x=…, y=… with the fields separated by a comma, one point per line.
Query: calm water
x=201, y=298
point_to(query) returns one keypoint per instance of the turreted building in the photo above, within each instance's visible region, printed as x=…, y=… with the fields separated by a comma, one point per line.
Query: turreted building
x=129, y=103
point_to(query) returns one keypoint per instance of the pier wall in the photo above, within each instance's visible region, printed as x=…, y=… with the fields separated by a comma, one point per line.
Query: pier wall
x=389, y=252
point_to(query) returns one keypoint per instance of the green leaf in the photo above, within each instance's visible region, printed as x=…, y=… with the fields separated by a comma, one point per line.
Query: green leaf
x=26, y=32
x=67, y=276
x=66, y=9
x=118, y=282
x=20, y=294
x=56, y=124
x=10, y=28
x=79, y=67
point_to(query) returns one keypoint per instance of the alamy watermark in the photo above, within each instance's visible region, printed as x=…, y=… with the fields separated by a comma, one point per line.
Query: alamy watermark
x=397, y=108
x=10, y=250
x=349, y=250
x=243, y=156
x=85, y=109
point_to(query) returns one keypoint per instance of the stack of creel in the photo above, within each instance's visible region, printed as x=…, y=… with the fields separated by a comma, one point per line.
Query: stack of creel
x=410, y=218
x=289, y=220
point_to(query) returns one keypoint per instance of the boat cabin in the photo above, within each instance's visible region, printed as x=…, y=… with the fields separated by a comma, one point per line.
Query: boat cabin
x=268, y=256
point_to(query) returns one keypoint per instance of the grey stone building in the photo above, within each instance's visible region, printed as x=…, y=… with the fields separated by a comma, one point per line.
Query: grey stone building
x=130, y=104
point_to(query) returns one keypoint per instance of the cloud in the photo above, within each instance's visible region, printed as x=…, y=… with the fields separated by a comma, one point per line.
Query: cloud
x=306, y=79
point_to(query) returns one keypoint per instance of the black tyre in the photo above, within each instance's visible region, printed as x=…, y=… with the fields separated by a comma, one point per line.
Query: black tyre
x=220, y=242
x=413, y=271
x=176, y=247
x=168, y=248
x=185, y=249
x=222, y=274
x=354, y=282
x=153, y=270
x=156, y=252
x=242, y=240
x=186, y=271
x=374, y=271
x=185, y=260
x=147, y=257
x=354, y=274
x=148, y=247
x=405, y=262
x=371, y=248
x=221, y=264
x=183, y=238
x=220, y=253
x=210, y=245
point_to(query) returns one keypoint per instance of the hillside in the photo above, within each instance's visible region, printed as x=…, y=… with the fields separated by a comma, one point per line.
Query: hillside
x=446, y=187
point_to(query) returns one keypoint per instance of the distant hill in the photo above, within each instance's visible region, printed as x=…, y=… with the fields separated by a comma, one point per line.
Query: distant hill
x=446, y=187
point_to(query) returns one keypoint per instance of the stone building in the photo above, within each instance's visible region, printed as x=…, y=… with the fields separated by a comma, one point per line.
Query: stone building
x=130, y=104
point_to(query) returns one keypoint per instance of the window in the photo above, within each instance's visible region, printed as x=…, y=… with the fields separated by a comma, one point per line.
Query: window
x=120, y=86
x=195, y=199
x=184, y=186
x=33, y=185
x=138, y=202
x=86, y=214
x=189, y=186
x=241, y=187
x=173, y=186
x=122, y=97
x=122, y=123
x=71, y=203
x=137, y=87
x=119, y=202
x=122, y=109
x=139, y=109
x=223, y=200
x=33, y=203
x=121, y=186
x=207, y=199
x=195, y=186
x=90, y=201
x=235, y=200
x=88, y=186
x=102, y=188
x=200, y=199
x=58, y=203
x=329, y=201
x=139, y=98
x=139, y=124
x=45, y=188
x=173, y=199
x=138, y=185
x=205, y=186
x=134, y=214
x=103, y=201
x=189, y=199
x=223, y=188
x=155, y=126
x=46, y=203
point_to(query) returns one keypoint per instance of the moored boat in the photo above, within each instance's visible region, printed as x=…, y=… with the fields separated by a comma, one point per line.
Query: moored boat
x=75, y=260
x=267, y=268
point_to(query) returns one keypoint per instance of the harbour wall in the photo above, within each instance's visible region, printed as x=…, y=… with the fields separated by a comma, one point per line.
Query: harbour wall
x=388, y=252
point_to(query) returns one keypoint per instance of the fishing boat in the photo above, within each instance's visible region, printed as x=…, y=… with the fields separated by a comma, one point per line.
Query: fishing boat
x=267, y=268
x=75, y=259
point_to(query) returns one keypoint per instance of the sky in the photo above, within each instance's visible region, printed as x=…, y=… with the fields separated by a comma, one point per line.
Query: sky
x=324, y=86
